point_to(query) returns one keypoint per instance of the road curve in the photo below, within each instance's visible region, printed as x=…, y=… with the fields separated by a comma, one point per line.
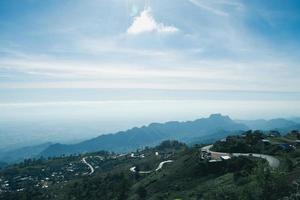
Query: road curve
x=132, y=169
x=273, y=162
x=162, y=164
x=159, y=167
x=89, y=165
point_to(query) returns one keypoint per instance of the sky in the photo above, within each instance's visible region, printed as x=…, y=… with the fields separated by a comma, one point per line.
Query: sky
x=148, y=60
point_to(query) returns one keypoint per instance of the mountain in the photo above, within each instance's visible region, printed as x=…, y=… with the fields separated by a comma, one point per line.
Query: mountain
x=289, y=129
x=151, y=135
x=295, y=119
x=272, y=124
x=20, y=154
x=207, y=139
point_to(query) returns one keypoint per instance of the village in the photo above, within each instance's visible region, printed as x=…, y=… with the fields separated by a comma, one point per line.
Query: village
x=64, y=169
x=79, y=166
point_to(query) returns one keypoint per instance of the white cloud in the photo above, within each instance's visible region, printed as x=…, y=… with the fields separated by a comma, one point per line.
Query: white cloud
x=145, y=22
x=204, y=75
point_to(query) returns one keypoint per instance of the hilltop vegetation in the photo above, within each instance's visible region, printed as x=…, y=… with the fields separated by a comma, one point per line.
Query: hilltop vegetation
x=186, y=177
x=258, y=142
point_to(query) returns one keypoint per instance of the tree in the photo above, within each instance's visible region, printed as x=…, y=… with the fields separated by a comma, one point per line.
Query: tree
x=141, y=192
x=288, y=163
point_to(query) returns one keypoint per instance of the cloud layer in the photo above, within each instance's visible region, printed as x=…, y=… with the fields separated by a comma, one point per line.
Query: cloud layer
x=218, y=45
x=145, y=22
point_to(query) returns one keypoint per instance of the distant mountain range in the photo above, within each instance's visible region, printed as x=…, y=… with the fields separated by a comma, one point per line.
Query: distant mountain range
x=151, y=135
x=295, y=119
x=204, y=130
x=273, y=124
x=20, y=154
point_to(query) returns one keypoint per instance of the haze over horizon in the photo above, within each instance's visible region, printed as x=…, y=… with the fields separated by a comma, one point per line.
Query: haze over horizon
x=105, y=66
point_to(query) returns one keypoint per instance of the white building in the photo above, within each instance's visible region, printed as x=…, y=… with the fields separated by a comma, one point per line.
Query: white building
x=225, y=157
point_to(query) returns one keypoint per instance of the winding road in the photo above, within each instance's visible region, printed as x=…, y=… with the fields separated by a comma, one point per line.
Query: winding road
x=89, y=165
x=273, y=162
x=161, y=164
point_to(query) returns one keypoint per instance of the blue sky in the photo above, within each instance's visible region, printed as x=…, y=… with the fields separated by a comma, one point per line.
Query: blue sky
x=190, y=49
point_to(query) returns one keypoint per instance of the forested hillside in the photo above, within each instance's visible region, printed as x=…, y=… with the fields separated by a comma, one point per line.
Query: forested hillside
x=171, y=170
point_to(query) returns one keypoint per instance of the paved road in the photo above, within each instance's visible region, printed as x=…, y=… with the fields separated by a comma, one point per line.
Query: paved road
x=273, y=162
x=140, y=172
x=89, y=165
x=161, y=164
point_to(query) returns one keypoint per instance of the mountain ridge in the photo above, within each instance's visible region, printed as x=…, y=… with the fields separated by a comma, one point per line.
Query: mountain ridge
x=154, y=133
x=262, y=124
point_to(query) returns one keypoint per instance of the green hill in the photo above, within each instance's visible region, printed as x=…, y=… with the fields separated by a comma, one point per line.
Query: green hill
x=145, y=174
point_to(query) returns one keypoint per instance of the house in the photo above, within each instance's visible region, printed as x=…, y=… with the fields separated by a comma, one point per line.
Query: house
x=265, y=141
x=287, y=147
x=204, y=155
x=225, y=157
x=274, y=133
